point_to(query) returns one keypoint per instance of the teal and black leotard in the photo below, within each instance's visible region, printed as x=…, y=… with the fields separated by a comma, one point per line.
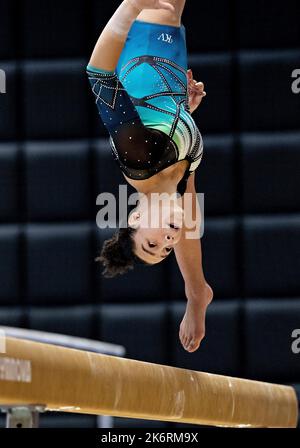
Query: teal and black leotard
x=144, y=103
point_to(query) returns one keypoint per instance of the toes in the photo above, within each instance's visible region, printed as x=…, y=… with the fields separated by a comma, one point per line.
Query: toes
x=193, y=346
x=189, y=345
x=181, y=336
x=194, y=349
x=185, y=341
x=166, y=5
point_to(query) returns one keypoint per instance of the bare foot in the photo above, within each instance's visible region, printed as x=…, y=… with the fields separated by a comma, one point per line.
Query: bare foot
x=153, y=4
x=192, y=327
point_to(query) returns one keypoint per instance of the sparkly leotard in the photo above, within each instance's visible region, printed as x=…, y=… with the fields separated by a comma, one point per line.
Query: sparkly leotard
x=144, y=103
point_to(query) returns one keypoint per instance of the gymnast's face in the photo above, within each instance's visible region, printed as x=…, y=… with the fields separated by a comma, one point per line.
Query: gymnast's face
x=158, y=227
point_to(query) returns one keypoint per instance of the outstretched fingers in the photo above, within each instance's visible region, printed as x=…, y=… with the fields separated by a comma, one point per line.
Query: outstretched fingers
x=194, y=86
x=190, y=75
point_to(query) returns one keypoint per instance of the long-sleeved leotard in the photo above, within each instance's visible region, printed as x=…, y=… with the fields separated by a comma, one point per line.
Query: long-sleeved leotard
x=144, y=104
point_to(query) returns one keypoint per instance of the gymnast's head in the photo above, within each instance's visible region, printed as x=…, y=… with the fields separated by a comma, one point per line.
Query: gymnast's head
x=154, y=227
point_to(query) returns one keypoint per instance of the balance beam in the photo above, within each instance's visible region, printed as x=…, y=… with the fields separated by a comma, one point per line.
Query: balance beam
x=68, y=380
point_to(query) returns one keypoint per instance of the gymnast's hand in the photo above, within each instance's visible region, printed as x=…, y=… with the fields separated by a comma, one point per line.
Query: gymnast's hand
x=195, y=90
x=153, y=4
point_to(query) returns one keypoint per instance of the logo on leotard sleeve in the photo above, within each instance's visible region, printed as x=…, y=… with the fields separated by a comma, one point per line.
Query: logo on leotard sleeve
x=164, y=37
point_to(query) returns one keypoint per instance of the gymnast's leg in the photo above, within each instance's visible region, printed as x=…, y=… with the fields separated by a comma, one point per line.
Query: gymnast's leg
x=113, y=37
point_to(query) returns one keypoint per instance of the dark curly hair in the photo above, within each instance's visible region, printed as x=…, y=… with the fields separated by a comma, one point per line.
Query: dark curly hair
x=117, y=254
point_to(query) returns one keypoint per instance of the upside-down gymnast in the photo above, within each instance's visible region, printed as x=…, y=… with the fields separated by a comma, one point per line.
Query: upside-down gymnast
x=145, y=96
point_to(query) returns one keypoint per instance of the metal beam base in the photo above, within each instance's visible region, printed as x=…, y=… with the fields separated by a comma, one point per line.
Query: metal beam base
x=22, y=416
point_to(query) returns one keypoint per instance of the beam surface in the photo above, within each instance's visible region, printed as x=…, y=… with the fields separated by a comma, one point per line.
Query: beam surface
x=69, y=380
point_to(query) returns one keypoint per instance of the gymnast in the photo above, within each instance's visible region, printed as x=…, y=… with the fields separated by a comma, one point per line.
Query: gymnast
x=145, y=96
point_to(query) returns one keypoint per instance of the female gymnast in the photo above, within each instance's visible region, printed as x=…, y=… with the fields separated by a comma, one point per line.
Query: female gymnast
x=145, y=96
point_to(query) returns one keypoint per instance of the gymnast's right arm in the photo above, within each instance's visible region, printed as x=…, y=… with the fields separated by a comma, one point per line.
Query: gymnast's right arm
x=114, y=104
x=112, y=100
x=112, y=39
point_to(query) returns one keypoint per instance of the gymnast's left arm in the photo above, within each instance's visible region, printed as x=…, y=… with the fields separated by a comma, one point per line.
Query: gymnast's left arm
x=188, y=251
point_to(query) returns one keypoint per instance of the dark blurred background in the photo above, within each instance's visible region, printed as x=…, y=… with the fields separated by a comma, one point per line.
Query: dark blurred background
x=55, y=160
